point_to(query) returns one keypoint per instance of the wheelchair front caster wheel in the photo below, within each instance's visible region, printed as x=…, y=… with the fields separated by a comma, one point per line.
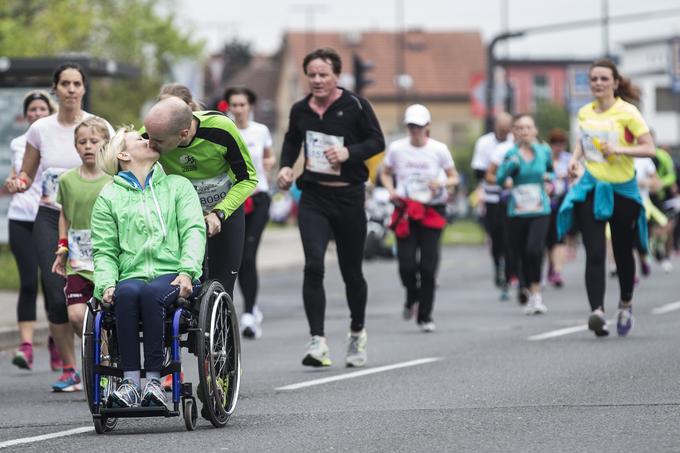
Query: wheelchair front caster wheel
x=104, y=424
x=190, y=413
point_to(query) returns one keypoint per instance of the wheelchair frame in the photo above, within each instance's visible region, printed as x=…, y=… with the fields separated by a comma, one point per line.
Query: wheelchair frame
x=210, y=325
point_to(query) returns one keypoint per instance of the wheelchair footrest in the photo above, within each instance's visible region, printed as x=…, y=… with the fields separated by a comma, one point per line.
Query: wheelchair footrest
x=123, y=412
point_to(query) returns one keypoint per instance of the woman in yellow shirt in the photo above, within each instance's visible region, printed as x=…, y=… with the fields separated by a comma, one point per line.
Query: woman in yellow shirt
x=612, y=134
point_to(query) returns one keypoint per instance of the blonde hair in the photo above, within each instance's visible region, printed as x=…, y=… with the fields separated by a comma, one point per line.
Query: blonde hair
x=107, y=157
x=96, y=123
x=180, y=91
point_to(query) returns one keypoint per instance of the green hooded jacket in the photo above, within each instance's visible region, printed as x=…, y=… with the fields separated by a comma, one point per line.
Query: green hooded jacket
x=146, y=233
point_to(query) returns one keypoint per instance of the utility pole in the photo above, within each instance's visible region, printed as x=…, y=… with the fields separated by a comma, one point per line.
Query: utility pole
x=310, y=10
x=605, y=28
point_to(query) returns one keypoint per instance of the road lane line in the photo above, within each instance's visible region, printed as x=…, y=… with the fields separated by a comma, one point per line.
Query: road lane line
x=28, y=440
x=666, y=308
x=357, y=374
x=565, y=331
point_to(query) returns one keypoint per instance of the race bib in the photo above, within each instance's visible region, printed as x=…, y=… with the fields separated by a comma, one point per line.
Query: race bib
x=212, y=191
x=80, y=250
x=417, y=189
x=50, y=187
x=315, y=145
x=528, y=198
x=593, y=139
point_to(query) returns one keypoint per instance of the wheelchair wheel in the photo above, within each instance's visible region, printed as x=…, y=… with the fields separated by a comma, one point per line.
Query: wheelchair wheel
x=219, y=355
x=190, y=413
x=108, y=355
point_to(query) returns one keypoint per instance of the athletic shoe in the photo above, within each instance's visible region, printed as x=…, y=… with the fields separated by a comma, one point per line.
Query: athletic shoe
x=126, y=395
x=598, y=324
x=624, y=321
x=153, y=395
x=251, y=324
x=535, y=306
x=666, y=265
x=645, y=270
x=555, y=279
x=55, y=358
x=317, y=354
x=23, y=357
x=523, y=296
x=69, y=381
x=167, y=381
x=356, y=349
x=427, y=327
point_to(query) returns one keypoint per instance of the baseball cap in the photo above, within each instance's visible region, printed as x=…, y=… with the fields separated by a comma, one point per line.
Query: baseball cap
x=417, y=114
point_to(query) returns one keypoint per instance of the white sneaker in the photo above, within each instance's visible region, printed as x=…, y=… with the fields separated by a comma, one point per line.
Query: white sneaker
x=317, y=353
x=666, y=265
x=258, y=314
x=251, y=325
x=356, y=349
x=535, y=306
x=427, y=327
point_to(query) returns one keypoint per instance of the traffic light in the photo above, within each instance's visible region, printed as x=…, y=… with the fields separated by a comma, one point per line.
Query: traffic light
x=361, y=67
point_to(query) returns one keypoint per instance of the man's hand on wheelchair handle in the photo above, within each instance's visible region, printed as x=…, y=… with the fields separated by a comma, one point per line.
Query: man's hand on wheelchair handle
x=184, y=283
x=213, y=223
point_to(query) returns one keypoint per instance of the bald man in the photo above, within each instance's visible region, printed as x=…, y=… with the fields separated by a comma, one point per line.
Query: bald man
x=207, y=148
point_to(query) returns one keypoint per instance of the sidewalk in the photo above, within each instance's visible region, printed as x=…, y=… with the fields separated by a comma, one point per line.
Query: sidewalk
x=280, y=249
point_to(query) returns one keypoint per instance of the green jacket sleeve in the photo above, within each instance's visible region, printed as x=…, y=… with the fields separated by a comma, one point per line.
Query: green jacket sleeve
x=508, y=169
x=105, y=246
x=242, y=171
x=191, y=229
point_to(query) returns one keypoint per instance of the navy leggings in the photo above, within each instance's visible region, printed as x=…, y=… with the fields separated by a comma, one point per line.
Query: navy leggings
x=137, y=300
x=256, y=221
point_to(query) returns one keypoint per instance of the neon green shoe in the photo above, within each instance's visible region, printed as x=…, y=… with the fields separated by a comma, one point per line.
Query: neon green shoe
x=317, y=354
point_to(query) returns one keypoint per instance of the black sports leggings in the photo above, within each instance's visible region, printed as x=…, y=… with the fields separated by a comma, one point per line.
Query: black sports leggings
x=527, y=238
x=494, y=223
x=623, y=229
x=21, y=245
x=339, y=210
x=45, y=238
x=226, y=249
x=418, y=271
x=256, y=221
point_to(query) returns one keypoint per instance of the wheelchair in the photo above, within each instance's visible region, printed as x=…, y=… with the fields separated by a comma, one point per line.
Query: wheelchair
x=206, y=325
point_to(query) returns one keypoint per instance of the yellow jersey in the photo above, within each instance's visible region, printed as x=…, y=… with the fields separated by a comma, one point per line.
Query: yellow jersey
x=620, y=125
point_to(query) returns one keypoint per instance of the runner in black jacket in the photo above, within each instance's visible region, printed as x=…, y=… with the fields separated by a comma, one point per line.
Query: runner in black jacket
x=338, y=131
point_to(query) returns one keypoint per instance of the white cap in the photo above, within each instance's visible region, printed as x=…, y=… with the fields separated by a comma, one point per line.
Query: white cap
x=417, y=114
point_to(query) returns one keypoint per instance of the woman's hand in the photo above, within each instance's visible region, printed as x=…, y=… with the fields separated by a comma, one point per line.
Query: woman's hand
x=184, y=283
x=574, y=168
x=108, y=295
x=59, y=265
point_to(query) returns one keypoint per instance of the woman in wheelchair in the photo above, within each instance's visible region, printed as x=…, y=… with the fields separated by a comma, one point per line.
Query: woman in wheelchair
x=148, y=238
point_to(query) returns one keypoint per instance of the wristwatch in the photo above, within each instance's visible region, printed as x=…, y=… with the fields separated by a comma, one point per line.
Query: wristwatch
x=220, y=214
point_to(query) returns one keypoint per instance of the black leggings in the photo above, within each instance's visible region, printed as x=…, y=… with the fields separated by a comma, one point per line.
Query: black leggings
x=339, y=210
x=226, y=249
x=623, y=229
x=494, y=223
x=527, y=238
x=255, y=223
x=45, y=238
x=419, y=273
x=21, y=245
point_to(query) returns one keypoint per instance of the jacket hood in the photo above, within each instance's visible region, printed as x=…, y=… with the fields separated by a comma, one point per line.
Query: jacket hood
x=157, y=174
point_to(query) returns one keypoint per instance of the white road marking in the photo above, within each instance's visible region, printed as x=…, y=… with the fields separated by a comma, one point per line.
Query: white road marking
x=28, y=440
x=565, y=331
x=666, y=308
x=357, y=374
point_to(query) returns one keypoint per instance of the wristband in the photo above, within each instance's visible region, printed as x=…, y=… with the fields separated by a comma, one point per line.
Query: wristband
x=63, y=242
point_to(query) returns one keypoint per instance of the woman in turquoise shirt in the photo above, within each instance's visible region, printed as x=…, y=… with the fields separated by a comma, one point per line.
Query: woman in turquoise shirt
x=525, y=169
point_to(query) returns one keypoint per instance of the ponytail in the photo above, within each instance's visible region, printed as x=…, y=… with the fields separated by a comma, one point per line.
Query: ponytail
x=626, y=90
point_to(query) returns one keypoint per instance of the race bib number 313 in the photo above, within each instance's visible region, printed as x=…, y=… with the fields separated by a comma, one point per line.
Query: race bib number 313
x=315, y=145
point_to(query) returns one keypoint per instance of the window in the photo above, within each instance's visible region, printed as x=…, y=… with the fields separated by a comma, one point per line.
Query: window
x=541, y=88
x=667, y=101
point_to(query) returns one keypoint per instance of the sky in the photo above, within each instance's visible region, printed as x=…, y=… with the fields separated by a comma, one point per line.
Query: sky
x=263, y=22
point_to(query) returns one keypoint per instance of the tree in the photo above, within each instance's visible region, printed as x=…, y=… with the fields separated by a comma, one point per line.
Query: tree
x=550, y=115
x=130, y=31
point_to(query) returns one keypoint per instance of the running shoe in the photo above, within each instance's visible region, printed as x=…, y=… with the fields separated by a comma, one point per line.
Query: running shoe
x=317, y=354
x=535, y=306
x=555, y=279
x=153, y=395
x=69, y=381
x=356, y=349
x=598, y=324
x=167, y=381
x=23, y=357
x=624, y=320
x=427, y=327
x=126, y=395
x=666, y=265
x=251, y=324
x=523, y=296
x=645, y=270
x=55, y=358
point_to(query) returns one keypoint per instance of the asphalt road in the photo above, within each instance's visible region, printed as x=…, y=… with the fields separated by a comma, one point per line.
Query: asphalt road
x=492, y=383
